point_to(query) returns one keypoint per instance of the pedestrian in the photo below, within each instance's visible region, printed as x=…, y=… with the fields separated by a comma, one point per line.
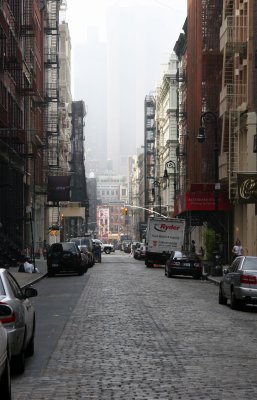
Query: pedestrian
x=131, y=249
x=237, y=249
x=201, y=252
x=21, y=264
x=193, y=248
x=29, y=267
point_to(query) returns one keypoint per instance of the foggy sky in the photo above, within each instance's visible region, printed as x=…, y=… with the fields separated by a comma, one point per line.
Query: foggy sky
x=115, y=66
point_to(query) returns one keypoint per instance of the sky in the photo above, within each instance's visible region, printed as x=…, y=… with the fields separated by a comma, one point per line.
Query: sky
x=83, y=13
x=132, y=40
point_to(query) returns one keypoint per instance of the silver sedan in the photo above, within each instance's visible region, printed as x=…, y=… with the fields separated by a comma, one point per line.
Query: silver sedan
x=239, y=283
x=5, y=378
x=17, y=315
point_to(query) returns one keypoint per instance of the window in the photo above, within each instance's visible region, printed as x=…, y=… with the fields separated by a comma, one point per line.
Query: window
x=17, y=291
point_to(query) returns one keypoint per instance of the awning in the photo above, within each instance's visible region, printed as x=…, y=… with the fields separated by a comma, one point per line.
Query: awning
x=201, y=197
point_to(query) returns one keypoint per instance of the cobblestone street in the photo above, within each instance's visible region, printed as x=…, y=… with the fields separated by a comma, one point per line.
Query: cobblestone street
x=135, y=334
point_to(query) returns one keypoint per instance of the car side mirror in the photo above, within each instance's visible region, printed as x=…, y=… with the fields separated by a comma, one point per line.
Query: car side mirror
x=30, y=292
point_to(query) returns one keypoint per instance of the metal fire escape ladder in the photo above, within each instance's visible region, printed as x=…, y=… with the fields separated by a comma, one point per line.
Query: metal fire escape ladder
x=52, y=86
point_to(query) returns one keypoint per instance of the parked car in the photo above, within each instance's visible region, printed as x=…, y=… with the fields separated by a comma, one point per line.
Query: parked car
x=64, y=257
x=5, y=378
x=86, y=241
x=183, y=264
x=17, y=315
x=239, y=282
x=139, y=253
x=86, y=257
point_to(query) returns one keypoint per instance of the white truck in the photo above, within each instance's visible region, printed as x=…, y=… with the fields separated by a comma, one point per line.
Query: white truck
x=162, y=237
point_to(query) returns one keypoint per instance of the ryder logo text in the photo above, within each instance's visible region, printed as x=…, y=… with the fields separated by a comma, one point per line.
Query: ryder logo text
x=165, y=228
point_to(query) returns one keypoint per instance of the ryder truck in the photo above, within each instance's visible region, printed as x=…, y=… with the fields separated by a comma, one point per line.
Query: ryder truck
x=162, y=237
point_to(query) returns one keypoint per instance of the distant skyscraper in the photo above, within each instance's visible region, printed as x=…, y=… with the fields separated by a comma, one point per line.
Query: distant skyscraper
x=91, y=86
x=139, y=39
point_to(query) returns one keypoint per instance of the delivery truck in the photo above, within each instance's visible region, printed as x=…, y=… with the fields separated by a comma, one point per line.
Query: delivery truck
x=163, y=235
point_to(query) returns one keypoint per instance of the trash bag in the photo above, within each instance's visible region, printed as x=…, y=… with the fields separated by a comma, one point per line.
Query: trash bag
x=21, y=268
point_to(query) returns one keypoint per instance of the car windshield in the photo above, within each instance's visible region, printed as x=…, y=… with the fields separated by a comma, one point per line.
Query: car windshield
x=250, y=264
x=77, y=241
x=68, y=246
x=178, y=254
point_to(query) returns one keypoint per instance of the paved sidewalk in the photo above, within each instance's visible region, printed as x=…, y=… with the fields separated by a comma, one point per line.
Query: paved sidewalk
x=24, y=279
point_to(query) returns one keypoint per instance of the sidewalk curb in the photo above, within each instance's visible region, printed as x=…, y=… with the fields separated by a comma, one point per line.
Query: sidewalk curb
x=213, y=280
x=31, y=283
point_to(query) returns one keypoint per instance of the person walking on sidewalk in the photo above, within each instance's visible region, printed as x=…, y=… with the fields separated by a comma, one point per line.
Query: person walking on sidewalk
x=237, y=249
x=193, y=247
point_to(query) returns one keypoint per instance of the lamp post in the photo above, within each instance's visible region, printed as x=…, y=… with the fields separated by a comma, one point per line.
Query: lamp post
x=157, y=184
x=209, y=116
x=171, y=164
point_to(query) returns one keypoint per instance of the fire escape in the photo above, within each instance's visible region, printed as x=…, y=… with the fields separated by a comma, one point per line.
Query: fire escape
x=18, y=91
x=233, y=96
x=150, y=129
x=52, y=131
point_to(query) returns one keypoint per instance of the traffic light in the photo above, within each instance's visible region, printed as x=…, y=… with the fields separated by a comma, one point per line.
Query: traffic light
x=124, y=211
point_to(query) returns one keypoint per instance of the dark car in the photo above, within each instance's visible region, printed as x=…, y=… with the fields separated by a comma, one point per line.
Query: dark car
x=64, y=257
x=239, y=282
x=183, y=264
x=86, y=241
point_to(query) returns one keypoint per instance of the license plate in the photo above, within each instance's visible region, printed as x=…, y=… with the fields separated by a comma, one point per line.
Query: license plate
x=187, y=264
x=54, y=265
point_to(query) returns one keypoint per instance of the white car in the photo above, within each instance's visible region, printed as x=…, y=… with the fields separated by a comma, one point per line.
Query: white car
x=5, y=378
x=107, y=248
x=17, y=315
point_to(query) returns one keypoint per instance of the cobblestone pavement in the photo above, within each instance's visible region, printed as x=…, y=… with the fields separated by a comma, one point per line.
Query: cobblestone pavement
x=135, y=334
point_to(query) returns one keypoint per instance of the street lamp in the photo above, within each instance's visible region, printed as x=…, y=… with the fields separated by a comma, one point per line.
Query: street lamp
x=209, y=116
x=171, y=164
x=157, y=184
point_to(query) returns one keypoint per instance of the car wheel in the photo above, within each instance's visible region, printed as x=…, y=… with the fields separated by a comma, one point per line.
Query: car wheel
x=222, y=298
x=80, y=271
x=30, y=347
x=169, y=274
x=234, y=302
x=5, y=383
x=18, y=362
x=107, y=251
x=50, y=273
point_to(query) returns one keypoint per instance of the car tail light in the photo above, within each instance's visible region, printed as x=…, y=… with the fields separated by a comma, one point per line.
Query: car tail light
x=248, y=279
x=7, y=314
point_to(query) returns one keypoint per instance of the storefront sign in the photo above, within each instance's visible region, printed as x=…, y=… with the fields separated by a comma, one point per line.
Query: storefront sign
x=247, y=187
